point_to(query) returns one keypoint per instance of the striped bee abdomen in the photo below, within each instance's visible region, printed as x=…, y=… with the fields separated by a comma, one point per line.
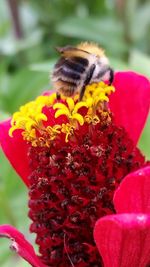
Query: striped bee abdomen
x=74, y=66
x=80, y=61
x=65, y=87
x=68, y=74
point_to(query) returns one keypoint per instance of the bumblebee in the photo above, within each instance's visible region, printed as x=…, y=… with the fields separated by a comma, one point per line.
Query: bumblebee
x=78, y=67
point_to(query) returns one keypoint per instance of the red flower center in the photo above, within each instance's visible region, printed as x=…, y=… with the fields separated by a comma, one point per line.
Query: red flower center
x=72, y=185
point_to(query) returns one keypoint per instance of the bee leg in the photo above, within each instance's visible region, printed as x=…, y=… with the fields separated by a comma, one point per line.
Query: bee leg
x=87, y=80
x=58, y=96
x=111, y=76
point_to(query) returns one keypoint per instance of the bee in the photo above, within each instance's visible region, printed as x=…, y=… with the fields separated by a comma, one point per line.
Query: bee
x=79, y=66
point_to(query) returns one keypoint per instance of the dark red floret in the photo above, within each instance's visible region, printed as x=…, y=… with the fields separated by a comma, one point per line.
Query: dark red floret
x=72, y=185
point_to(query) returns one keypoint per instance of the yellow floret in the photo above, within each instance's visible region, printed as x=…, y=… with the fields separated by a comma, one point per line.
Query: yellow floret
x=33, y=122
x=68, y=129
x=30, y=118
x=71, y=112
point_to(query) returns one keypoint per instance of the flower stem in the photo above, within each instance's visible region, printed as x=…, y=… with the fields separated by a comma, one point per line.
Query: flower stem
x=13, y=6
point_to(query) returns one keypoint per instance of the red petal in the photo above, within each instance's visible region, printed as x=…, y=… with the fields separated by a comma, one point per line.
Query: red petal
x=133, y=194
x=124, y=240
x=21, y=245
x=15, y=150
x=131, y=101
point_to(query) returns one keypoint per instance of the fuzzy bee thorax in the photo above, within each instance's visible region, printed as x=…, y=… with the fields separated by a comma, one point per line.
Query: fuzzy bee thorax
x=91, y=48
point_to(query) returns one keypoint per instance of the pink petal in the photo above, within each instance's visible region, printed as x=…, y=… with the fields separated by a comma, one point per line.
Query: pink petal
x=131, y=101
x=124, y=240
x=21, y=245
x=47, y=93
x=15, y=150
x=133, y=194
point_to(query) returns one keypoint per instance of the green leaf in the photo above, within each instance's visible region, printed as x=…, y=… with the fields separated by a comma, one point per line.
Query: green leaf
x=46, y=66
x=144, y=143
x=106, y=31
x=140, y=62
x=13, y=203
x=142, y=19
x=4, y=115
x=20, y=88
x=10, y=46
x=118, y=64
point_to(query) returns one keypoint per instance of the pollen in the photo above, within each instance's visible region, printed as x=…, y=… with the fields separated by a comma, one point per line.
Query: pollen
x=46, y=118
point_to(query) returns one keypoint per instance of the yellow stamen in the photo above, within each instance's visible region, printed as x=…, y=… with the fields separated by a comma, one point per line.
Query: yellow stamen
x=92, y=119
x=34, y=123
x=78, y=117
x=60, y=112
x=60, y=106
x=79, y=105
x=68, y=129
x=71, y=112
x=70, y=103
x=53, y=131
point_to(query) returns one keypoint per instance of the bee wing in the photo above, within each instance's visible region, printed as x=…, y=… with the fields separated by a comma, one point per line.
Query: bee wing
x=70, y=51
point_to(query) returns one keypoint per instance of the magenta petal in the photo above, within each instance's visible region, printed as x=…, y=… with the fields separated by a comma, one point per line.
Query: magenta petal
x=124, y=240
x=131, y=101
x=47, y=93
x=15, y=150
x=133, y=194
x=21, y=245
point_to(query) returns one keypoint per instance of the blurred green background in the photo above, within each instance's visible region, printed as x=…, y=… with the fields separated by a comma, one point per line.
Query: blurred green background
x=29, y=32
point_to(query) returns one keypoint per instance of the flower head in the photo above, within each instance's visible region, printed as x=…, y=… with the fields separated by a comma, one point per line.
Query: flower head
x=75, y=154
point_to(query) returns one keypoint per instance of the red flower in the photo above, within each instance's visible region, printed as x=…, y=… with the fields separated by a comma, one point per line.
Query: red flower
x=72, y=156
x=123, y=240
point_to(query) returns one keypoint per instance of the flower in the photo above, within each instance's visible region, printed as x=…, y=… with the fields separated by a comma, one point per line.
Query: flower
x=72, y=156
x=123, y=239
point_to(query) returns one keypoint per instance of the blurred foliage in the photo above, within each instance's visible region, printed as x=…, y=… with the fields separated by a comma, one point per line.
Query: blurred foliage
x=27, y=56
